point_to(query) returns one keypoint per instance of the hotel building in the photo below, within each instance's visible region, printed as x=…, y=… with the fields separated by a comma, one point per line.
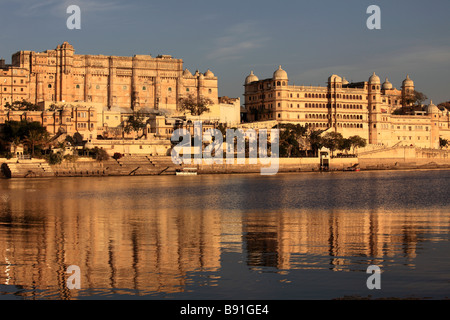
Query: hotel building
x=361, y=108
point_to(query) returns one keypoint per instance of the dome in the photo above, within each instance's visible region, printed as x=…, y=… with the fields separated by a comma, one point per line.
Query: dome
x=374, y=79
x=408, y=82
x=387, y=85
x=209, y=74
x=280, y=74
x=432, y=109
x=251, y=78
x=187, y=73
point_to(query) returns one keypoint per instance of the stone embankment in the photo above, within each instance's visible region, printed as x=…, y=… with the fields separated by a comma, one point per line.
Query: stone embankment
x=394, y=158
x=127, y=166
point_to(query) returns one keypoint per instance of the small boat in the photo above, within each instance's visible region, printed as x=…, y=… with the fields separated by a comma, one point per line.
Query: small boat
x=187, y=172
x=354, y=167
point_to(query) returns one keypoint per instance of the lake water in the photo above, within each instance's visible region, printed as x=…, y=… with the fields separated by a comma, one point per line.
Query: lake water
x=289, y=236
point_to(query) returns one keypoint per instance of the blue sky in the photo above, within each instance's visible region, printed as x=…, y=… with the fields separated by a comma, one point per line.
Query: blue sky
x=310, y=39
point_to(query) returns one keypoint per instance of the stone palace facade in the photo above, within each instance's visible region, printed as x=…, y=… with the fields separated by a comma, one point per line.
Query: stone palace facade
x=363, y=108
x=136, y=82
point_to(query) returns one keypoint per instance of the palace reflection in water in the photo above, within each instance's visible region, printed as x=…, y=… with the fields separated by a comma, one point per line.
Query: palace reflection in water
x=141, y=236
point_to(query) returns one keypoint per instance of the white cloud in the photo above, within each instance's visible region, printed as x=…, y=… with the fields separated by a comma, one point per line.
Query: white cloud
x=236, y=41
x=29, y=8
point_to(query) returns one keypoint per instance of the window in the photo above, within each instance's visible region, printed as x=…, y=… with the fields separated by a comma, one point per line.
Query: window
x=50, y=86
x=170, y=89
x=97, y=87
x=144, y=88
x=78, y=86
x=187, y=90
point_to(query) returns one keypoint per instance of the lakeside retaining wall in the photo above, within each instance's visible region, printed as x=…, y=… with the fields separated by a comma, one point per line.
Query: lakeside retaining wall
x=380, y=159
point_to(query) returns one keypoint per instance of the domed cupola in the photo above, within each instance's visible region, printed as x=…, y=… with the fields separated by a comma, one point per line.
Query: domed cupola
x=251, y=78
x=209, y=74
x=408, y=82
x=280, y=74
x=374, y=79
x=387, y=85
x=432, y=109
x=187, y=73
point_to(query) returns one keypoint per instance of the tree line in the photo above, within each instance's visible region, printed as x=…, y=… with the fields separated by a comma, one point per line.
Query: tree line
x=298, y=141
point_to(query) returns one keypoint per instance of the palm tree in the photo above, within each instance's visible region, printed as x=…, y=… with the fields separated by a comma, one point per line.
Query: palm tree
x=36, y=138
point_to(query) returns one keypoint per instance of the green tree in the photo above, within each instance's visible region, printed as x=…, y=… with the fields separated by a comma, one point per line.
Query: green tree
x=443, y=143
x=414, y=98
x=345, y=145
x=196, y=106
x=30, y=133
x=290, y=139
x=35, y=138
x=100, y=154
x=333, y=141
x=315, y=140
x=22, y=106
x=357, y=142
x=135, y=122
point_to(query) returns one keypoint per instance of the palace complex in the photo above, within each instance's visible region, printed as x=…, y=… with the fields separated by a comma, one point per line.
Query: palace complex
x=363, y=108
x=95, y=95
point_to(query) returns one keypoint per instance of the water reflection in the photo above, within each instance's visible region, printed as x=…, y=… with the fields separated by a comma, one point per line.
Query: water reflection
x=346, y=238
x=141, y=236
